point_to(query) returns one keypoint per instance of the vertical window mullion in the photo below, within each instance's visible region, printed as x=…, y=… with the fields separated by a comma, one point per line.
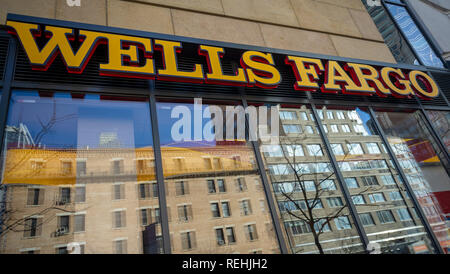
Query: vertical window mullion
x=436, y=136
x=163, y=215
x=340, y=177
x=266, y=187
x=6, y=90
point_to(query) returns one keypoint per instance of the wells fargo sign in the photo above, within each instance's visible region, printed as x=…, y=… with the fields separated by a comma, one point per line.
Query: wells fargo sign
x=256, y=68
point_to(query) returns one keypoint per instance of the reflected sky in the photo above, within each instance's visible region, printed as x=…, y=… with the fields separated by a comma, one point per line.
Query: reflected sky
x=61, y=121
x=165, y=123
x=414, y=36
x=365, y=118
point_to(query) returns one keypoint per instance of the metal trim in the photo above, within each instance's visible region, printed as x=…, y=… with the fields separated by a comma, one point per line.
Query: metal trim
x=80, y=88
x=159, y=173
x=437, y=138
x=6, y=90
x=340, y=178
x=267, y=189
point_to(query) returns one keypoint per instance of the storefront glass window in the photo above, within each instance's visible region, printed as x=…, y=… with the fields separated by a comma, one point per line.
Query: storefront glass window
x=391, y=35
x=441, y=122
x=78, y=175
x=414, y=36
x=375, y=187
x=310, y=203
x=215, y=198
x=418, y=156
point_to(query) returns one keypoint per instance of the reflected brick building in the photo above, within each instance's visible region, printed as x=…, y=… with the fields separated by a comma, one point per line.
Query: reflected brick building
x=104, y=198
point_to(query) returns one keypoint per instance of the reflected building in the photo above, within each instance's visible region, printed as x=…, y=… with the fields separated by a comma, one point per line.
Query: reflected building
x=422, y=166
x=18, y=136
x=104, y=198
x=377, y=191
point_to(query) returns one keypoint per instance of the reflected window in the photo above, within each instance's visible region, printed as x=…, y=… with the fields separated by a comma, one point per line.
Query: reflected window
x=394, y=36
x=342, y=222
x=415, y=37
x=337, y=149
x=188, y=240
x=366, y=219
x=288, y=115
x=351, y=182
x=376, y=198
x=345, y=128
x=441, y=122
x=373, y=148
x=75, y=158
x=32, y=227
x=358, y=199
x=314, y=150
x=219, y=169
x=335, y=201
x=306, y=190
x=309, y=129
x=230, y=235
x=371, y=179
x=35, y=196
x=403, y=214
x=422, y=162
x=385, y=217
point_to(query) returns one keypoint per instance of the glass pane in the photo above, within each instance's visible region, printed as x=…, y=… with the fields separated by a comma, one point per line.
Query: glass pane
x=391, y=35
x=205, y=152
x=306, y=190
x=414, y=36
x=72, y=166
x=441, y=123
x=395, y=1
x=418, y=155
x=375, y=186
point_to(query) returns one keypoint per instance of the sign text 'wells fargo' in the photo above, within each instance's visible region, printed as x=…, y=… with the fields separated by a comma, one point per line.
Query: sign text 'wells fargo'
x=256, y=68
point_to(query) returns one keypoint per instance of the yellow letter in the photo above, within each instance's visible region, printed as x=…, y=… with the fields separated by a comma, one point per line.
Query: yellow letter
x=346, y=83
x=306, y=76
x=399, y=91
x=42, y=59
x=427, y=81
x=215, y=75
x=170, y=70
x=125, y=48
x=260, y=70
x=373, y=76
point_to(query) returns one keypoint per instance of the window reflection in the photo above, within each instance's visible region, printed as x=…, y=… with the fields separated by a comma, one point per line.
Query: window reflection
x=391, y=35
x=374, y=185
x=311, y=207
x=441, y=122
x=418, y=156
x=414, y=36
x=73, y=169
x=215, y=197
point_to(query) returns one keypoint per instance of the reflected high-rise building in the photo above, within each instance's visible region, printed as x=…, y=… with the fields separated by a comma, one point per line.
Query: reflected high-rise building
x=377, y=191
x=18, y=136
x=109, y=139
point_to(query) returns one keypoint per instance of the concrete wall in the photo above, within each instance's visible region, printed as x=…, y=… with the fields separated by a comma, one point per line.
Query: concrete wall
x=339, y=28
